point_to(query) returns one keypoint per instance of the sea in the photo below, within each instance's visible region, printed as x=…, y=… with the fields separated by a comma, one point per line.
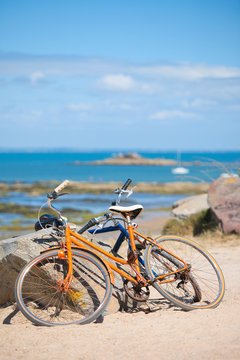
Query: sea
x=42, y=166
x=29, y=167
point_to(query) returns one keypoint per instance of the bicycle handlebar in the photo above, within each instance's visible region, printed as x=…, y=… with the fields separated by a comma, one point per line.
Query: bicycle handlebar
x=61, y=186
x=89, y=224
x=94, y=221
x=126, y=185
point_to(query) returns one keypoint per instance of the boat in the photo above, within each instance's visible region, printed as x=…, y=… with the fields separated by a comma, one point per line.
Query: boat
x=179, y=170
x=229, y=175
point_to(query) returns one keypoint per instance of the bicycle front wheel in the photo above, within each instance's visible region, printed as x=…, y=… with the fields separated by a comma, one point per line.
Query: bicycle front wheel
x=200, y=287
x=42, y=300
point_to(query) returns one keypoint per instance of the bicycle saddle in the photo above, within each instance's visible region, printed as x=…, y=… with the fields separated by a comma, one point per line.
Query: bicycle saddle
x=132, y=211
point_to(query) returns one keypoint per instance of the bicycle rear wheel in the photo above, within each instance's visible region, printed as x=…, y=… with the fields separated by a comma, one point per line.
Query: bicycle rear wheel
x=40, y=298
x=200, y=288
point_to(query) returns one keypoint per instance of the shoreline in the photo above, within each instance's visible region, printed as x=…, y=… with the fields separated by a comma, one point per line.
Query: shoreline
x=43, y=187
x=21, y=218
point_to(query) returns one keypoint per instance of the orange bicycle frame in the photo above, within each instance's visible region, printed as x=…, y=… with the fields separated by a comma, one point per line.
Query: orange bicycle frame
x=81, y=242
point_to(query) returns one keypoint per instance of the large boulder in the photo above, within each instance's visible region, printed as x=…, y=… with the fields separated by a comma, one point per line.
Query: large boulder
x=224, y=201
x=14, y=254
x=189, y=206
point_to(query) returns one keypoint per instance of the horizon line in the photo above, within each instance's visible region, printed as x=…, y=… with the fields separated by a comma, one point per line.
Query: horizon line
x=88, y=150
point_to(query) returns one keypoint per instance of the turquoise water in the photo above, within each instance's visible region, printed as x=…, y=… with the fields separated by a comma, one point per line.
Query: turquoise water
x=30, y=167
x=92, y=202
x=153, y=205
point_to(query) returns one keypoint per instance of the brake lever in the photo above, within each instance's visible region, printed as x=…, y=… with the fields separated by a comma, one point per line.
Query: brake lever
x=53, y=195
x=130, y=192
x=62, y=194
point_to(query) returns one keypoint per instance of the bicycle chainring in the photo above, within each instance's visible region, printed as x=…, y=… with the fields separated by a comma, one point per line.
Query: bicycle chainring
x=135, y=292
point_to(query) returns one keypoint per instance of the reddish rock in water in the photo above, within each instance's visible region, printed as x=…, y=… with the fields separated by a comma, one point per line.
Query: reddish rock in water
x=224, y=201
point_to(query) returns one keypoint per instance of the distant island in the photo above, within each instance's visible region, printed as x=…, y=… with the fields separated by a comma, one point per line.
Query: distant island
x=136, y=159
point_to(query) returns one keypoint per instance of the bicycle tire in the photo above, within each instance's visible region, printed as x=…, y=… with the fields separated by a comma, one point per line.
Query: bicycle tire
x=204, y=288
x=41, y=300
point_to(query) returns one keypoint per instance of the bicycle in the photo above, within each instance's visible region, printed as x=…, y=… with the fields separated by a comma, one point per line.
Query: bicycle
x=72, y=282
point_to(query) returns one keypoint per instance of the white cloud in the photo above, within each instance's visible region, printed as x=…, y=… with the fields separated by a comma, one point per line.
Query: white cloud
x=125, y=107
x=167, y=114
x=118, y=82
x=199, y=103
x=79, y=107
x=111, y=72
x=113, y=105
x=29, y=117
x=36, y=76
x=188, y=72
x=134, y=91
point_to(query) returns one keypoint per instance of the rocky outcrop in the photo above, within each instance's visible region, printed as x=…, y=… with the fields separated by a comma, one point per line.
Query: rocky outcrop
x=14, y=254
x=133, y=159
x=224, y=201
x=136, y=159
x=189, y=206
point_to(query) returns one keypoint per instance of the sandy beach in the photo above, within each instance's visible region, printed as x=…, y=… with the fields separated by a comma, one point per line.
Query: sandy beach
x=167, y=332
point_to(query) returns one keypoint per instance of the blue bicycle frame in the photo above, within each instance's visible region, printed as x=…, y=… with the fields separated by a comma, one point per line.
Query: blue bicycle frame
x=123, y=234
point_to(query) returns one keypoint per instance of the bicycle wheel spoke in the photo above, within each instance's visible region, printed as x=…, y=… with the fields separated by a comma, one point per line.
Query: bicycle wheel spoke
x=43, y=299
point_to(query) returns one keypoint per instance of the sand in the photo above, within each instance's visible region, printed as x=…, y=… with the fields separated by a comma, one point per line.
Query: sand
x=167, y=332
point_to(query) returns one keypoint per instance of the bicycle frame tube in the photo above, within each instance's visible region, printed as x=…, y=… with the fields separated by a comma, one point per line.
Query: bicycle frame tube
x=68, y=279
x=135, y=263
x=124, y=233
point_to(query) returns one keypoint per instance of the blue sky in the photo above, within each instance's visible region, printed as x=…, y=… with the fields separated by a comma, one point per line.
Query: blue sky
x=152, y=75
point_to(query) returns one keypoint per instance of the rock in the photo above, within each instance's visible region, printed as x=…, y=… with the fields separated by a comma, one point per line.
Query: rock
x=224, y=201
x=129, y=156
x=133, y=159
x=14, y=254
x=191, y=205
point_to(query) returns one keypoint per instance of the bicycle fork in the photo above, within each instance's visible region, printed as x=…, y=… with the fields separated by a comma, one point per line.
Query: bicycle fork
x=64, y=285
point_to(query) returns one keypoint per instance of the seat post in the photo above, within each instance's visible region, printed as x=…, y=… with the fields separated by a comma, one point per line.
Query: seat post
x=133, y=246
x=130, y=231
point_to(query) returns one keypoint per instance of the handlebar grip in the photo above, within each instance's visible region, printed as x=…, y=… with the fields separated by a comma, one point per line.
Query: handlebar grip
x=127, y=183
x=89, y=224
x=62, y=186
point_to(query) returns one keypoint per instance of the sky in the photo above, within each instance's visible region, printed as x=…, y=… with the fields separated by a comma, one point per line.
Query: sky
x=146, y=74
